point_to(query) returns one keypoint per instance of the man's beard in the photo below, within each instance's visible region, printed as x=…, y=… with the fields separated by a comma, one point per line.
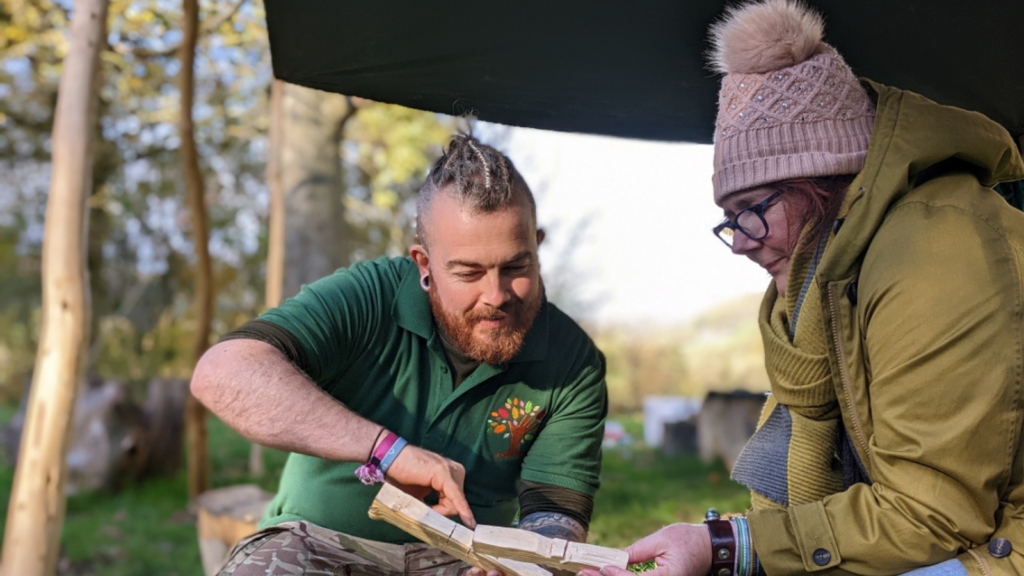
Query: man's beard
x=504, y=342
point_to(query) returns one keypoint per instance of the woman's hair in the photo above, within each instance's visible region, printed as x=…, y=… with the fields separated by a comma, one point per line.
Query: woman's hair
x=821, y=198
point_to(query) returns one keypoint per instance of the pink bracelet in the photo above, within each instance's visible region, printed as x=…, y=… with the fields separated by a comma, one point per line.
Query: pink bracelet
x=370, y=473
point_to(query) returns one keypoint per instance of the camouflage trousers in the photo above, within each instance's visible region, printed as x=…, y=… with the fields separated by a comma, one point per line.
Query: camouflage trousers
x=303, y=548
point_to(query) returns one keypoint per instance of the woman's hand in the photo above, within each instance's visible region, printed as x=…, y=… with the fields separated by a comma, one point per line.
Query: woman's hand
x=679, y=550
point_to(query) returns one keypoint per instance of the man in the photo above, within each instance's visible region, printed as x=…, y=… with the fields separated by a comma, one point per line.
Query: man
x=500, y=395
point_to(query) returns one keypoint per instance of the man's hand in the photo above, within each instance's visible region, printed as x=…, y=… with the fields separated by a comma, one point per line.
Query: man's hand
x=679, y=550
x=419, y=472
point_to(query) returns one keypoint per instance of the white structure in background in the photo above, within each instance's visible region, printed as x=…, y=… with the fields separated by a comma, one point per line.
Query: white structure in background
x=615, y=435
x=661, y=410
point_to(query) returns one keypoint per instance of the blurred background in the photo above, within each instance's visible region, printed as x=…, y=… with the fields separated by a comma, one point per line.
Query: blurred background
x=629, y=255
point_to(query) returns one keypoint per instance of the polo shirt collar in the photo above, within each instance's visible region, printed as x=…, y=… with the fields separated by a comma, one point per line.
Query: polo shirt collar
x=412, y=306
x=412, y=312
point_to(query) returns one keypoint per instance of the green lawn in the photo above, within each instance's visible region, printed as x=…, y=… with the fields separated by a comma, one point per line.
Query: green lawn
x=146, y=530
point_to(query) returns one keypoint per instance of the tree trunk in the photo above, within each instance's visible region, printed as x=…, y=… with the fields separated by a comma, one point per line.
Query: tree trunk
x=275, y=242
x=310, y=167
x=304, y=179
x=195, y=413
x=36, y=510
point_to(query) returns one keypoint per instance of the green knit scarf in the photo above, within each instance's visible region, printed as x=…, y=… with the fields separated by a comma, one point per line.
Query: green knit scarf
x=801, y=381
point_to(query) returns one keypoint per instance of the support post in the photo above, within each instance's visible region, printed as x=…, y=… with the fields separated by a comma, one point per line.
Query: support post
x=36, y=511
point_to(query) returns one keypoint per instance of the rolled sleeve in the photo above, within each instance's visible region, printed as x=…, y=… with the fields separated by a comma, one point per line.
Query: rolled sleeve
x=567, y=451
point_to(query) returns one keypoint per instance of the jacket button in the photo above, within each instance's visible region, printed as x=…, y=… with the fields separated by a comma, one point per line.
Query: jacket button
x=851, y=291
x=822, y=557
x=1000, y=547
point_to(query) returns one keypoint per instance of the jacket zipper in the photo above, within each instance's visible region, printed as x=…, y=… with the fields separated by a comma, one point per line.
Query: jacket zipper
x=981, y=562
x=841, y=360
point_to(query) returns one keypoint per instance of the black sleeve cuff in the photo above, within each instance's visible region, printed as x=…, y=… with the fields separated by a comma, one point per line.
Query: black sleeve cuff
x=274, y=335
x=536, y=497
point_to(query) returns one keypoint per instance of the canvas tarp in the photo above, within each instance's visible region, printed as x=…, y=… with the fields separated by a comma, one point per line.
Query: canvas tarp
x=633, y=69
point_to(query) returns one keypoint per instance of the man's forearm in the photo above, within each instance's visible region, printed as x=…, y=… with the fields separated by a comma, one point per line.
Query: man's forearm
x=252, y=387
x=554, y=525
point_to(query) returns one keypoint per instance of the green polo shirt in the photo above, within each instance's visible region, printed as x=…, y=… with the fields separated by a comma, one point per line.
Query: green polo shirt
x=369, y=339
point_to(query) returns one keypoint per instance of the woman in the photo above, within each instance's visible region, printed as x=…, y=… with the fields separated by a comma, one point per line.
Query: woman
x=893, y=327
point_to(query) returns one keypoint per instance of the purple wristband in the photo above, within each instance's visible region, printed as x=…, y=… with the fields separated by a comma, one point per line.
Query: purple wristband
x=371, y=473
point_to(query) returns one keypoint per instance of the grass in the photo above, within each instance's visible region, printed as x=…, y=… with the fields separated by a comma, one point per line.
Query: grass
x=146, y=530
x=642, y=491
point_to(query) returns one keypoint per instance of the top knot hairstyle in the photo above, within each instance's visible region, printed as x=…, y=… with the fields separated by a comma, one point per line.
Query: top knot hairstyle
x=759, y=38
x=479, y=176
x=789, y=106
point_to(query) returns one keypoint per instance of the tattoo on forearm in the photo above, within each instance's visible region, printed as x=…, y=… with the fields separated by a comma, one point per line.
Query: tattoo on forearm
x=554, y=525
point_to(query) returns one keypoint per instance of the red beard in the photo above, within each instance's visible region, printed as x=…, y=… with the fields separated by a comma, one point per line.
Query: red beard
x=503, y=343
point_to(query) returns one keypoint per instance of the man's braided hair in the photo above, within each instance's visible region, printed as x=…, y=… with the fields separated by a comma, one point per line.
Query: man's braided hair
x=479, y=177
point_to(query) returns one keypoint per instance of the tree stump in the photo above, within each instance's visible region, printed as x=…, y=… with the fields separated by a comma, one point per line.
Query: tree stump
x=225, y=516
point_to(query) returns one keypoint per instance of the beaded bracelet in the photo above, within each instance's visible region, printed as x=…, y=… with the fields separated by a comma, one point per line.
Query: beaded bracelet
x=381, y=459
x=747, y=562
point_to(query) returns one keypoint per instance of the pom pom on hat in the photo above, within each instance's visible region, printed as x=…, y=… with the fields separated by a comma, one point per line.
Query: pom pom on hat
x=762, y=37
x=789, y=106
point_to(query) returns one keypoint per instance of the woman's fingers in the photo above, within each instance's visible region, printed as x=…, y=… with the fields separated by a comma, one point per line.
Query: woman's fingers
x=650, y=547
x=614, y=571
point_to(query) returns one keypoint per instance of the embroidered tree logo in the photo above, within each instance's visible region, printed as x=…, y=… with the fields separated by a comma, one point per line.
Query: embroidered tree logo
x=517, y=420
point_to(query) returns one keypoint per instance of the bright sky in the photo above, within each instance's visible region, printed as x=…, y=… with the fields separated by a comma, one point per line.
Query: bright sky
x=648, y=252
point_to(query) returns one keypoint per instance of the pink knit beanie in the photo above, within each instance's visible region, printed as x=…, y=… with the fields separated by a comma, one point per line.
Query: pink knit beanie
x=789, y=106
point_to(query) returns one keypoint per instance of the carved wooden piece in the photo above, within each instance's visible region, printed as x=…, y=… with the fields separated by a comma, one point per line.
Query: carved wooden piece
x=553, y=552
x=417, y=519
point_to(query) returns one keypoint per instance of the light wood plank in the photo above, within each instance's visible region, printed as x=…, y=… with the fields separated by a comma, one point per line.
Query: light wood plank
x=553, y=552
x=417, y=519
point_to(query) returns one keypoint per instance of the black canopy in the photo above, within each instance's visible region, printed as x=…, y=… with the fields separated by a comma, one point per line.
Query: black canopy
x=633, y=69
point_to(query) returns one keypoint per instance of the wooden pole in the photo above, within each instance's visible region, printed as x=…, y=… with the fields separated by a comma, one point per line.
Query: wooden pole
x=36, y=511
x=195, y=413
x=275, y=243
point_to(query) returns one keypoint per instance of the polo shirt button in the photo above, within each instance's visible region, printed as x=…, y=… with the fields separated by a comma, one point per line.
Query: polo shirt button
x=822, y=557
x=1000, y=548
x=444, y=369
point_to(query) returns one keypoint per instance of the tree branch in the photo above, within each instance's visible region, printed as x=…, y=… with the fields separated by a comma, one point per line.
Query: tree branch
x=25, y=122
x=209, y=27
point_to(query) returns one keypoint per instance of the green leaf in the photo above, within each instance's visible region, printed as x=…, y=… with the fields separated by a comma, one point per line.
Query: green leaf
x=528, y=437
x=529, y=406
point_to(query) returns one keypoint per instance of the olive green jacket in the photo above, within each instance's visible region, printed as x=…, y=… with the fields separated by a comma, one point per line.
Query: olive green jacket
x=923, y=298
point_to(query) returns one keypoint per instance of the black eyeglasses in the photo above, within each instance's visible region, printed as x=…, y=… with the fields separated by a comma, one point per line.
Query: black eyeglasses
x=749, y=221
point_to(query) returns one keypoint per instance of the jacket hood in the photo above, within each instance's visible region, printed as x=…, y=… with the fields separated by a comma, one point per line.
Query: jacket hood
x=913, y=138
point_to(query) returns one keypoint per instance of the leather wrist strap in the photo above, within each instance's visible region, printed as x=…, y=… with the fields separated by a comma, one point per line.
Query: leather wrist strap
x=723, y=547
